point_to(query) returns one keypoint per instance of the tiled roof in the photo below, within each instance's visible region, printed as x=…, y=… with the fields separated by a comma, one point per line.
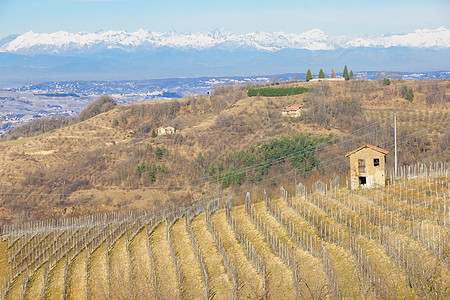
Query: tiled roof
x=368, y=146
x=292, y=107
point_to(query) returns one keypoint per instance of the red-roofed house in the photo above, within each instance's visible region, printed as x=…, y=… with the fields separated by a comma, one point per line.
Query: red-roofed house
x=367, y=166
x=292, y=111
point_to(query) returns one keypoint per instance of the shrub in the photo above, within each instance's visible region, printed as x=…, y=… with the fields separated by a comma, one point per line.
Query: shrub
x=278, y=91
x=386, y=81
x=407, y=93
x=100, y=105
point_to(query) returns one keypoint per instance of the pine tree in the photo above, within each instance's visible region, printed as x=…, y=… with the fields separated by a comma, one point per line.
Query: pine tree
x=321, y=74
x=351, y=74
x=332, y=73
x=308, y=76
x=345, y=73
x=154, y=133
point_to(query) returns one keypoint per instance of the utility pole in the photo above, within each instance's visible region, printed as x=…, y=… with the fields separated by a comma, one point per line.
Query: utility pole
x=395, y=143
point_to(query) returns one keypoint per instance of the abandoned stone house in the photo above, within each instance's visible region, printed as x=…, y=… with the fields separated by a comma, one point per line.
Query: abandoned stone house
x=166, y=130
x=293, y=111
x=367, y=167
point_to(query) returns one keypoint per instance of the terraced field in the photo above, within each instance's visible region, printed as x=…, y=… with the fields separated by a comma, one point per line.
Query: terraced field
x=392, y=242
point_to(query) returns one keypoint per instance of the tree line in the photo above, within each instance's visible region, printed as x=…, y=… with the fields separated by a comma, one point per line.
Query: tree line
x=345, y=74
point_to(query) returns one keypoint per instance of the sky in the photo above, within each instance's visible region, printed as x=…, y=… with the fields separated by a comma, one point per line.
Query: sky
x=240, y=16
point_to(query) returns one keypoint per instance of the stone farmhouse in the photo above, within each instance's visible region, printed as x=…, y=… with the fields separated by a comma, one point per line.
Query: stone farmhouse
x=367, y=167
x=166, y=130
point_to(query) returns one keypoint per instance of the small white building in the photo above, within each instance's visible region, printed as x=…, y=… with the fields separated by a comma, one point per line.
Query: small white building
x=292, y=111
x=166, y=130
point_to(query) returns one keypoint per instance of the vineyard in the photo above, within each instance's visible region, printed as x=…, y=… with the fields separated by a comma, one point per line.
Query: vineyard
x=318, y=242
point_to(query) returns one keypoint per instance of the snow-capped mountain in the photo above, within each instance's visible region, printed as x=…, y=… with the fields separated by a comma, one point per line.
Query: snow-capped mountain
x=62, y=42
x=145, y=54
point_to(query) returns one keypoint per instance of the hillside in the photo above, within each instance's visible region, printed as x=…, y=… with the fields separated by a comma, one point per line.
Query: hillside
x=319, y=242
x=111, y=161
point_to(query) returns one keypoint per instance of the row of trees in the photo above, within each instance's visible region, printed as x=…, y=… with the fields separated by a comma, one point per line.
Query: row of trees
x=345, y=74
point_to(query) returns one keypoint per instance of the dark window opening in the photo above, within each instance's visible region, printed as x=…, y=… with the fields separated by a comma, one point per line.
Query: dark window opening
x=362, y=180
x=376, y=162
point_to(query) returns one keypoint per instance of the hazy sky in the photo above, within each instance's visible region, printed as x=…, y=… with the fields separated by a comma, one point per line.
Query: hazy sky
x=334, y=17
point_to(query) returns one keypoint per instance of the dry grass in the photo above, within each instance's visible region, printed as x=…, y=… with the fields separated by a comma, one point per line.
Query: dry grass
x=34, y=286
x=164, y=265
x=54, y=287
x=311, y=268
x=219, y=280
x=281, y=276
x=140, y=261
x=249, y=277
x=193, y=286
x=4, y=265
x=16, y=288
x=120, y=280
x=76, y=277
x=97, y=274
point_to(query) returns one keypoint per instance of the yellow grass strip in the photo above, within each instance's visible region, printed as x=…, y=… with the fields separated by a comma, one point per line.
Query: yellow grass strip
x=76, y=277
x=97, y=274
x=142, y=269
x=4, y=265
x=219, y=280
x=379, y=259
x=193, y=286
x=164, y=265
x=34, y=286
x=281, y=276
x=121, y=286
x=311, y=271
x=15, y=288
x=350, y=281
x=54, y=288
x=248, y=275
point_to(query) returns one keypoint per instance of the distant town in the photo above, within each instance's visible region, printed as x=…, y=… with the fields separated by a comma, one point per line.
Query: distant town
x=20, y=104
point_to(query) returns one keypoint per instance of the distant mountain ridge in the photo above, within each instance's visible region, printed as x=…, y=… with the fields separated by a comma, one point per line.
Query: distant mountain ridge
x=120, y=55
x=62, y=42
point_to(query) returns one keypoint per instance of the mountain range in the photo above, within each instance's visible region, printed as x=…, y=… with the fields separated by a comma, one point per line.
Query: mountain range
x=146, y=54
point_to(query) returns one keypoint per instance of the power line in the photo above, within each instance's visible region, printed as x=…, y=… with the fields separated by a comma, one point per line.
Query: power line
x=270, y=178
x=223, y=175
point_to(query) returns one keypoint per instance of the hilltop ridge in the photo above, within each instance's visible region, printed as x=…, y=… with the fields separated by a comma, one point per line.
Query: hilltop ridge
x=112, y=161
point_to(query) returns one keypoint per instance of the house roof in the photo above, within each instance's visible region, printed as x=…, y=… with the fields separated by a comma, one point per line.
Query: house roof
x=368, y=146
x=292, y=107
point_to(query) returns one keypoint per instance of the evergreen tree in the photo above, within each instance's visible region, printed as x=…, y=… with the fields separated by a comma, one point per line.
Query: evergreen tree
x=351, y=74
x=321, y=74
x=345, y=73
x=332, y=73
x=308, y=76
x=408, y=94
x=154, y=134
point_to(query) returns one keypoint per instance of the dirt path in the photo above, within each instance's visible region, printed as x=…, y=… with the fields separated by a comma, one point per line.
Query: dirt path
x=76, y=277
x=219, y=280
x=192, y=281
x=97, y=274
x=142, y=269
x=249, y=276
x=164, y=265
